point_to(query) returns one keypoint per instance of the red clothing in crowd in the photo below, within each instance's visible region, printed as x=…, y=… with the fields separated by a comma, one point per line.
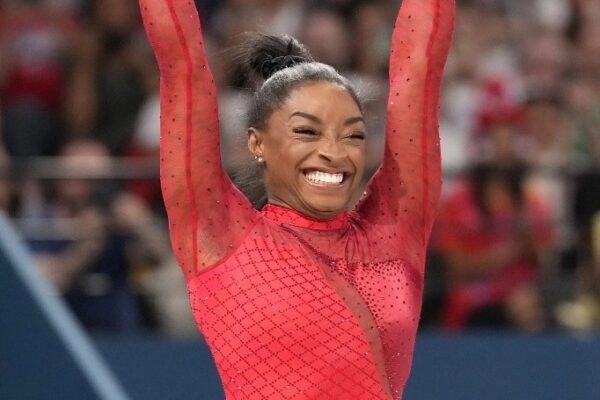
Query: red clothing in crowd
x=464, y=227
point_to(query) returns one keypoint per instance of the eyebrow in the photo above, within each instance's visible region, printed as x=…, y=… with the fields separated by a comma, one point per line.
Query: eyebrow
x=316, y=119
x=354, y=120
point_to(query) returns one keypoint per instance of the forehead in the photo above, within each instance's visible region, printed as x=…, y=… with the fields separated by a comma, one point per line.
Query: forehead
x=322, y=99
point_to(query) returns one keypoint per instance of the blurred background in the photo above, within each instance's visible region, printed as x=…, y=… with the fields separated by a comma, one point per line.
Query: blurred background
x=516, y=249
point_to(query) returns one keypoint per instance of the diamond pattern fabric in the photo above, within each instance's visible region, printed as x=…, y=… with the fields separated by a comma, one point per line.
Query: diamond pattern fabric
x=293, y=307
x=279, y=329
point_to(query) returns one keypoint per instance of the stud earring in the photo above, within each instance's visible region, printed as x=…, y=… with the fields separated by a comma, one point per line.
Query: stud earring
x=259, y=159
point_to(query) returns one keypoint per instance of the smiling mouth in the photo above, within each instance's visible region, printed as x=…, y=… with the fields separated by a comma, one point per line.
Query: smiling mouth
x=320, y=178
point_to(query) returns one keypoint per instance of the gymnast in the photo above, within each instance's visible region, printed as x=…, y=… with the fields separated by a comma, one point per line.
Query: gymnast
x=310, y=297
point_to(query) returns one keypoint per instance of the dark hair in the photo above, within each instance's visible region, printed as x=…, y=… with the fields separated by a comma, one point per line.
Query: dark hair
x=273, y=66
x=512, y=176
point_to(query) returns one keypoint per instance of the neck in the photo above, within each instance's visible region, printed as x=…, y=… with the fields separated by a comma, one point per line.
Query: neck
x=315, y=214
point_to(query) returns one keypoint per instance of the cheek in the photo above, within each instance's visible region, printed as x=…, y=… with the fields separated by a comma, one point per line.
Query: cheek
x=283, y=161
x=358, y=155
x=294, y=154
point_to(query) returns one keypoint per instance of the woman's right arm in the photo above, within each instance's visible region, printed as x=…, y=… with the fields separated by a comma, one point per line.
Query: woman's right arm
x=207, y=214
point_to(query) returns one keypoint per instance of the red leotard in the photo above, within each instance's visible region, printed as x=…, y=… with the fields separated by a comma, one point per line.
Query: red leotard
x=294, y=307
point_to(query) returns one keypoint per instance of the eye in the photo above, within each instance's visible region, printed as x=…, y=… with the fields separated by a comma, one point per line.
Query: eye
x=357, y=135
x=303, y=130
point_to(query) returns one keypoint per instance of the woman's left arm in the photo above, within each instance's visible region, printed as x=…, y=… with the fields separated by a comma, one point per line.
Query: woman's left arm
x=406, y=189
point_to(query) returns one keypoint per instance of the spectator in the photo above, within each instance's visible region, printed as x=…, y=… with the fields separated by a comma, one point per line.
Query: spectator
x=8, y=189
x=33, y=42
x=87, y=243
x=583, y=313
x=326, y=35
x=551, y=136
x=491, y=236
x=106, y=83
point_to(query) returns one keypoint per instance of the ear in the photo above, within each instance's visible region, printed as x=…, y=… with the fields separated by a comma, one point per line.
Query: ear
x=255, y=142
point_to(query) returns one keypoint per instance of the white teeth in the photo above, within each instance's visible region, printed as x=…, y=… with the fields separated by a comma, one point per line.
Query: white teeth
x=324, y=178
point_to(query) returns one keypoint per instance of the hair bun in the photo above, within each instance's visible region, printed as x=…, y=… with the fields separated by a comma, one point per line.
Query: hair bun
x=273, y=64
x=260, y=55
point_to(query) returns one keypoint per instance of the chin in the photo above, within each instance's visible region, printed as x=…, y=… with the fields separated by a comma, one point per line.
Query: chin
x=325, y=201
x=327, y=208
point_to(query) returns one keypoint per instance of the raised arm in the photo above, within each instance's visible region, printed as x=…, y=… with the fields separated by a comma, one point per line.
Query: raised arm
x=207, y=215
x=406, y=189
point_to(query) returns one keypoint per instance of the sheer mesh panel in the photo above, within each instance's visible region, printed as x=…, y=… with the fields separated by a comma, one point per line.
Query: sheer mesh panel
x=207, y=214
x=405, y=190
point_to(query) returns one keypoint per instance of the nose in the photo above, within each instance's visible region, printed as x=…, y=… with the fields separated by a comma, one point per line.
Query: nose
x=331, y=150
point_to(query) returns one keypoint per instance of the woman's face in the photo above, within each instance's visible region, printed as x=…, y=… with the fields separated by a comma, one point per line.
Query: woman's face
x=314, y=150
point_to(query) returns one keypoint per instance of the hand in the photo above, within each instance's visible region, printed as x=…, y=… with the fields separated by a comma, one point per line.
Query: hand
x=91, y=225
x=131, y=213
x=55, y=273
x=61, y=269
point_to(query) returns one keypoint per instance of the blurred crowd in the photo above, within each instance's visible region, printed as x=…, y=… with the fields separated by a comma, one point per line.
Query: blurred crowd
x=517, y=242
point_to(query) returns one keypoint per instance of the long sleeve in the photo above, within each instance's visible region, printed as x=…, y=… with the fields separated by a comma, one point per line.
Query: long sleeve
x=405, y=191
x=207, y=214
